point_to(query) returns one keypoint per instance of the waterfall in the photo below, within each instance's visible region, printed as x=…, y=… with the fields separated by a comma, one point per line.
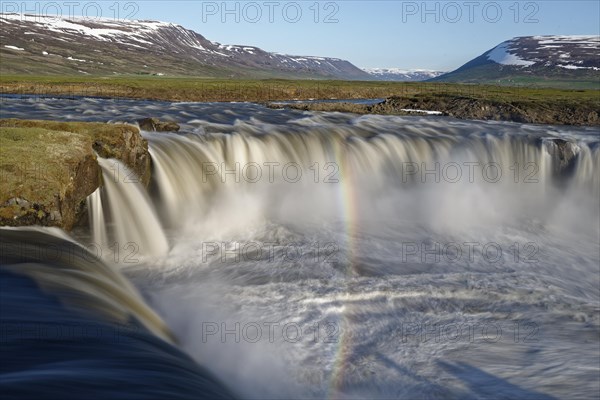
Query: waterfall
x=215, y=182
x=88, y=329
x=96, y=218
x=191, y=171
x=123, y=206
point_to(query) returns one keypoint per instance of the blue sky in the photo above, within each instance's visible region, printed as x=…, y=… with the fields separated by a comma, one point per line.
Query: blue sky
x=438, y=35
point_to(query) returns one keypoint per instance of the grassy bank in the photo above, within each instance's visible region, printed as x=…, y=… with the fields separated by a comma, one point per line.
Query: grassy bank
x=48, y=168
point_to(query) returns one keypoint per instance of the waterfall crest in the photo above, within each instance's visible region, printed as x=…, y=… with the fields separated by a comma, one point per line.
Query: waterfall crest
x=243, y=173
x=192, y=171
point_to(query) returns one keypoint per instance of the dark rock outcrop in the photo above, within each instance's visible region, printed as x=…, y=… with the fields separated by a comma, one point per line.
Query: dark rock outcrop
x=128, y=146
x=552, y=112
x=155, y=125
x=61, y=204
x=465, y=107
x=564, y=156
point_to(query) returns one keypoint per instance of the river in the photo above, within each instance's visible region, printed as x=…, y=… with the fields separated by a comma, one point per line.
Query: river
x=327, y=255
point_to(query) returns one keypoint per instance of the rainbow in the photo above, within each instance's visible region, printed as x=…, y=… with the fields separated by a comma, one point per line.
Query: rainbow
x=349, y=208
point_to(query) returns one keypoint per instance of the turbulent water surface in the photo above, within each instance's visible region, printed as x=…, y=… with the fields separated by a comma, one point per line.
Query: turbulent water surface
x=314, y=255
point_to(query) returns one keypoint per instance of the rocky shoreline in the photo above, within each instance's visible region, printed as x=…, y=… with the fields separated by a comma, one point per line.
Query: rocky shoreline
x=567, y=112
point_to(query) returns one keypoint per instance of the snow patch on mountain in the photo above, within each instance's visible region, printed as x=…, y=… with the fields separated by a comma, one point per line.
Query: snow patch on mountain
x=398, y=74
x=103, y=29
x=397, y=71
x=501, y=54
x=75, y=59
x=548, y=51
x=580, y=40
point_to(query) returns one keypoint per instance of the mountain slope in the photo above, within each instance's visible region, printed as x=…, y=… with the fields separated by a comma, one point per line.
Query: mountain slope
x=397, y=74
x=32, y=44
x=533, y=59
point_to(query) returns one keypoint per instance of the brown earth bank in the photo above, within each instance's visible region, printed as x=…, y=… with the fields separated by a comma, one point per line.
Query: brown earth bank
x=584, y=112
x=48, y=168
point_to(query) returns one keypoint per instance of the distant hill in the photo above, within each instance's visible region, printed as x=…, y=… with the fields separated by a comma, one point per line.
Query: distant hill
x=397, y=74
x=31, y=44
x=537, y=60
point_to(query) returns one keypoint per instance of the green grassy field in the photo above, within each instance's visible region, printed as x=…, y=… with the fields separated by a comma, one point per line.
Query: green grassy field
x=197, y=89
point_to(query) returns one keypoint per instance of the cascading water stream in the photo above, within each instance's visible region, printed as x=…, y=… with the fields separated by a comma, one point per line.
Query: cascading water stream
x=194, y=172
x=97, y=219
x=86, y=327
x=121, y=213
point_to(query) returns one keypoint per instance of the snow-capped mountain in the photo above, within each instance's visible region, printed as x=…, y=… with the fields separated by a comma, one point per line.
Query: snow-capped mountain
x=397, y=74
x=570, y=52
x=42, y=45
x=539, y=57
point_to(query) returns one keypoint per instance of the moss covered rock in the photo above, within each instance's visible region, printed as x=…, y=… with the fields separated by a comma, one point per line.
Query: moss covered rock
x=48, y=168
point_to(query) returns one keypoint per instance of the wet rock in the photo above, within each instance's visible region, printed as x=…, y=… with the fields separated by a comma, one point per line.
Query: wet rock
x=564, y=155
x=155, y=125
x=128, y=146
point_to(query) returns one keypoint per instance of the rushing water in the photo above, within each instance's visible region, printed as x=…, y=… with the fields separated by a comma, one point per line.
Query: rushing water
x=74, y=327
x=314, y=255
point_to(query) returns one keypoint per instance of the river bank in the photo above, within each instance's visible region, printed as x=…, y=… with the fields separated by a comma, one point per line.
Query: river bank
x=551, y=112
x=464, y=101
